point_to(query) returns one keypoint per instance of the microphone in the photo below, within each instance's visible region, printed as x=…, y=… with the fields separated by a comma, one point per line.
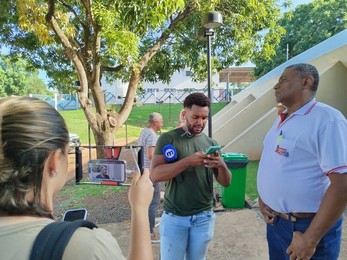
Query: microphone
x=170, y=155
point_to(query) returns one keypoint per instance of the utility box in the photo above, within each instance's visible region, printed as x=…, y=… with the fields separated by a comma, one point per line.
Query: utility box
x=234, y=195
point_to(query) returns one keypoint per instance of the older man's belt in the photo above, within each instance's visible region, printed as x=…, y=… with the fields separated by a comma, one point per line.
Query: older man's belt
x=293, y=217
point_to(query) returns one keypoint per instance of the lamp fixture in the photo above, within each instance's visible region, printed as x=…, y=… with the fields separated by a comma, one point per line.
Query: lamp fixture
x=212, y=20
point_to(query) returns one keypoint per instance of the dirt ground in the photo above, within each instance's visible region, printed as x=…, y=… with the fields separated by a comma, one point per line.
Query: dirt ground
x=239, y=233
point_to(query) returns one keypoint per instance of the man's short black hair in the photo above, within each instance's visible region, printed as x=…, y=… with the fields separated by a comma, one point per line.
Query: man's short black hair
x=198, y=99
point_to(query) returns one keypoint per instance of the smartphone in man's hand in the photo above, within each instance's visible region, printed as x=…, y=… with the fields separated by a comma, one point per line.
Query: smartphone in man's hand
x=213, y=149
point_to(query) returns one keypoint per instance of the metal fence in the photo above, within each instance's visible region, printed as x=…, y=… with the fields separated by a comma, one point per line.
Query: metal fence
x=60, y=101
x=172, y=96
x=149, y=96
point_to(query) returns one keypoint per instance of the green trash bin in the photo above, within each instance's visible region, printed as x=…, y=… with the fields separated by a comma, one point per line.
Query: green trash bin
x=234, y=195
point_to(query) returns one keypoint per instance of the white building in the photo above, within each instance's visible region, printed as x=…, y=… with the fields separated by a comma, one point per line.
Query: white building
x=180, y=86
x=115, y=92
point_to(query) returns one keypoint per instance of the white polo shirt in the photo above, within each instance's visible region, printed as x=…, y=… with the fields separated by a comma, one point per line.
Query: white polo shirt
x=299, y=154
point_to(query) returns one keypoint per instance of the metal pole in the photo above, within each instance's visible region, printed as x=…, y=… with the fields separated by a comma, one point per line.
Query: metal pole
x=89, y=139
x=228, y=94
x=126, y=132
x=209, y=81
x=89, y=142
x=170, y=109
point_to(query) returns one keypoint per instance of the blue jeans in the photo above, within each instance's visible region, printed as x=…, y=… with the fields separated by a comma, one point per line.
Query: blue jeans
x=186, y=237
x=152, y=210
x=280, y=234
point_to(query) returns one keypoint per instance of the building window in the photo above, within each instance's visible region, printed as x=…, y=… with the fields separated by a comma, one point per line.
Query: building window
x=188, y=73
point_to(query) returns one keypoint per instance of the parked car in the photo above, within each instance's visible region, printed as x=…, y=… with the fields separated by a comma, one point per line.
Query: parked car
x=74, y=142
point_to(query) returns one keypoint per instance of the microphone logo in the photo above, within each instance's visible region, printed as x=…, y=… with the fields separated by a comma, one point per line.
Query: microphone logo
x=169, y=153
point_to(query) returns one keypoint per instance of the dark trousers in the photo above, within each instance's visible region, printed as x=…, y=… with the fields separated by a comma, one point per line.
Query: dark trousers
x=152, y=210
x=280, y=234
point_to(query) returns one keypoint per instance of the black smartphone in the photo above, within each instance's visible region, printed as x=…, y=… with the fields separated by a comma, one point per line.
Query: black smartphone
x=75, y=214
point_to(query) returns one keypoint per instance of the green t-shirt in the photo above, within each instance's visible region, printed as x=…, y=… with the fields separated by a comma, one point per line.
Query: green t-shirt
x=194, y=193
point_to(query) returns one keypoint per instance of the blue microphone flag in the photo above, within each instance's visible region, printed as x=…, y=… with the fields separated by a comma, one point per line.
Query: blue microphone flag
x=170, y=153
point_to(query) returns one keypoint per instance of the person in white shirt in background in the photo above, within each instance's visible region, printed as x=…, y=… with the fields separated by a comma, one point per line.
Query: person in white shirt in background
x=148, y=138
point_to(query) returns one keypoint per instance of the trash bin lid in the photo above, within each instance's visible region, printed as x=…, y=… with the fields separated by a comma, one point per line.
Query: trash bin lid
x=234, y=157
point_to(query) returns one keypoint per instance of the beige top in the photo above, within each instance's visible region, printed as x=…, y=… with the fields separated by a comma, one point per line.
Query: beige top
x=16, y=242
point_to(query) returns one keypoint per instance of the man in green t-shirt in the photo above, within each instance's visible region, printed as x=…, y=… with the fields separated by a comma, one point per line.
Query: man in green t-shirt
x=187, y=224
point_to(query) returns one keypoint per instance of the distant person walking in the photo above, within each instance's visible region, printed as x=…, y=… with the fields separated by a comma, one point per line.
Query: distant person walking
x=148, y=138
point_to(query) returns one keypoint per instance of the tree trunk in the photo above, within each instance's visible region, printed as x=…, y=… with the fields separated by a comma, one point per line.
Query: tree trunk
x=86, y=60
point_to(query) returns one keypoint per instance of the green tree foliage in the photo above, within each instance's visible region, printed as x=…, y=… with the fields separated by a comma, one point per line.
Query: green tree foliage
x=18, y=78
x=134, y=40
x=307, y=26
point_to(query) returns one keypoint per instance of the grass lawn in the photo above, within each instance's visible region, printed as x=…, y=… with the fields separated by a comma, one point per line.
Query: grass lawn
x=251, y=180
x=137, y=120
x=77, y=123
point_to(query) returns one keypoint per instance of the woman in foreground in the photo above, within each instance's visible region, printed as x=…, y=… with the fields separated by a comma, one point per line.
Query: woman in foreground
x=33, y=169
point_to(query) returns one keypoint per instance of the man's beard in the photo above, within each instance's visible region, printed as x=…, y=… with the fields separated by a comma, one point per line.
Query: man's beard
x=190, y=132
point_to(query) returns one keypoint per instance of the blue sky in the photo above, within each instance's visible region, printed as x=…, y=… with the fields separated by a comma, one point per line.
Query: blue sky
x=299, y=2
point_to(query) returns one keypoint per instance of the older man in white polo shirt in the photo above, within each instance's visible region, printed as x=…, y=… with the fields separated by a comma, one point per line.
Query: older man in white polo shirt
x=302, y=176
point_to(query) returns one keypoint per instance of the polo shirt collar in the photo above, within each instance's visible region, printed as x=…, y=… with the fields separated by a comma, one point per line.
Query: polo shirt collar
x=305, y=109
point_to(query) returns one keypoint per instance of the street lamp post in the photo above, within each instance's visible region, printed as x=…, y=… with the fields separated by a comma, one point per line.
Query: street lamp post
x=210, y=21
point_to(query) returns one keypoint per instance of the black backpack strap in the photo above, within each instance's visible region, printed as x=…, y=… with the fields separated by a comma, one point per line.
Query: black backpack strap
x=50, y=243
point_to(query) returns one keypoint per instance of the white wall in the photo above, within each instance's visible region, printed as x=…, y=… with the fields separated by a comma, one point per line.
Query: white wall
x=115, y=91
x=179, y=80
